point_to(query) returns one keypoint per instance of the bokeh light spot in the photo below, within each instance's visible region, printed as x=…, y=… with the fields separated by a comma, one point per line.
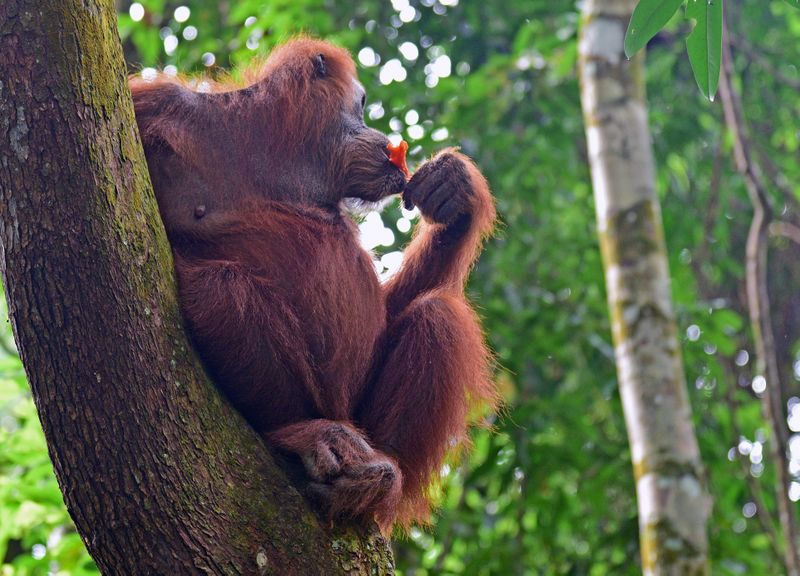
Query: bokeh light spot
x=408, y=14
x=208, y=59
x=409, y=51
x=170, y=44
x=440, y=134
x=368, y=57
x=392, y=71
x=375, y=111
x=182, y=13
x=136, y=12
x=415, y=132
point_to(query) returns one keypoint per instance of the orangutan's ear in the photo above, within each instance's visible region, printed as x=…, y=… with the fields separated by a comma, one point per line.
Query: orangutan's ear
x=320, y=66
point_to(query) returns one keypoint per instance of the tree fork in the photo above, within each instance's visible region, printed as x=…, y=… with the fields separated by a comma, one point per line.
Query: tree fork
x=159, y=474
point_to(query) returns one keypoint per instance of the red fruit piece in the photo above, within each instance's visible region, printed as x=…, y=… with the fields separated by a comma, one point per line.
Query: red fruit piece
x=397, y=156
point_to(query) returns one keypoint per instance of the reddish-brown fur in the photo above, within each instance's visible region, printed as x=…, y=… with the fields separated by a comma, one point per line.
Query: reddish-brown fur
x=370, y=385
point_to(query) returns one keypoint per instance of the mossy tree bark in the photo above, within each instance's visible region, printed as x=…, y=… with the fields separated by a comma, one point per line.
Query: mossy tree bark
x=672, y=497
x=160, y=475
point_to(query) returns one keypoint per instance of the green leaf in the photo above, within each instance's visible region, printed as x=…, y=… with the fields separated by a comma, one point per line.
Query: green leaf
x=649, y=17
x=704, y=44
x=793, y=3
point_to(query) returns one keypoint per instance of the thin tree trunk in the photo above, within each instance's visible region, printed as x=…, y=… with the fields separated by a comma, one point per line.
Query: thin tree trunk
x=673, y=501
x=758, y=304
x=159, y=474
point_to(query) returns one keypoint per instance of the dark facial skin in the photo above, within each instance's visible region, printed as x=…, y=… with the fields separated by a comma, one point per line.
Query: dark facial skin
x=369, y=175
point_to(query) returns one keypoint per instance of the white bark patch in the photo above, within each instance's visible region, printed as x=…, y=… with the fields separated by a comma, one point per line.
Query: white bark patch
x=632, y=417
x=691, y=486
x=639, y=285
x=602, y=194
x=646, y=373
x=677, y=500
x=261, y=559
x=648, y=363
x=618, y=142
x=646, y=494
x=602, y=38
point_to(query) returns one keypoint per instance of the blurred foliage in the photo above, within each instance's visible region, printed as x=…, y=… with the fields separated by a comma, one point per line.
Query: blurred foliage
x=550, y=490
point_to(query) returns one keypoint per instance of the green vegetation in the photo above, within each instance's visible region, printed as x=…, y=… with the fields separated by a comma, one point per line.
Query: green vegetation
x=550, y=491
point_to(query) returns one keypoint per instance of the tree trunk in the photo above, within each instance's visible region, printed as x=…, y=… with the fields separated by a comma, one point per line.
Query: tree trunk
x=159, y=474
x=670, y=485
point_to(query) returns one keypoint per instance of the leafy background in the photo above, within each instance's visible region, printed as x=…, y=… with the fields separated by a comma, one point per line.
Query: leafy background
x=551, y=490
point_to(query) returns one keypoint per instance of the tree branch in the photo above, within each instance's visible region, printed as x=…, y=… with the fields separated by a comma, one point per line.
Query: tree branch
x=785, y=230
x=759, y=304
